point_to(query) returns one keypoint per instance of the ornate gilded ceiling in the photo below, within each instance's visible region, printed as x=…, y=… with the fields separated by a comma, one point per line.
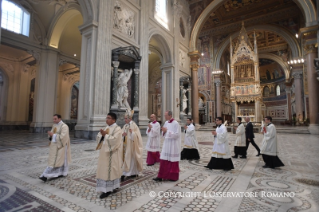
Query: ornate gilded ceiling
x=231, y=13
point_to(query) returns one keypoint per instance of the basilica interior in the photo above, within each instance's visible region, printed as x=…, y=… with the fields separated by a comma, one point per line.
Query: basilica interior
x=200, y=59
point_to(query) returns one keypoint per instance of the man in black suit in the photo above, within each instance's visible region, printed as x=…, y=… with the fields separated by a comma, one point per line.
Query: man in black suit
x=250, y=136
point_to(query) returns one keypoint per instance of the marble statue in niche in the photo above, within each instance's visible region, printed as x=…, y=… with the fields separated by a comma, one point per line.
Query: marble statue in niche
x=122, y=91
x=200, y=102
x=184, y=100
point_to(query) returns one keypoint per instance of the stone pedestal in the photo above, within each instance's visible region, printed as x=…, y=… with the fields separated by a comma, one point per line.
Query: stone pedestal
x=120, y=113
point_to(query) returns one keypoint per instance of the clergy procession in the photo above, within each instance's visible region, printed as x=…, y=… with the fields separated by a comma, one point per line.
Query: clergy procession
x=121, y=149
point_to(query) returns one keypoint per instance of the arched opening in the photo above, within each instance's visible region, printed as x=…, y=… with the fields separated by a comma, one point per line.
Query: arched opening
x=278, y=90
x=160, y=75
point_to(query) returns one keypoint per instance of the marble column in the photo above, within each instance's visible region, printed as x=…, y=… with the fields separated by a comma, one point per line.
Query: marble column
x=136, y=87
x=257, y=110
x=189, y=101
x=218, y=98
x=114, y=88
x=194, y=56
x=288, y=94
x=313, y=88
x=297, y=75
x=95, y=77
x=143, y=118
x=236, y=111
x=45, y=90
x=181, y=87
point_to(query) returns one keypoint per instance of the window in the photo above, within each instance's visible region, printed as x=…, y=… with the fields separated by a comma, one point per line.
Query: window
x=15, y=18
x=161, y=12
x=278, y=90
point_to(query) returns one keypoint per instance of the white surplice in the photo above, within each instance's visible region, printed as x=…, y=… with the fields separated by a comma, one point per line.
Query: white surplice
x=269, y=143
x=190, y=141
x=171, y=150
x=153, y=138
x=240, y=136
x=221, y=147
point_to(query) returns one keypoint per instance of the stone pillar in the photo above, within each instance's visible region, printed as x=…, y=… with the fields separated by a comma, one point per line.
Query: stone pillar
x=95, y=77
x=189, y=101
x=136, y=87
x=194, y=56
x=181, y=87
x=313, y=88
x=257, y=110
x=167, y=84
x=143, y=118
x=218, y=97
x=236, y=111
x=45, y=90
x=288, y=93
x=114, y=88
x=297, y=75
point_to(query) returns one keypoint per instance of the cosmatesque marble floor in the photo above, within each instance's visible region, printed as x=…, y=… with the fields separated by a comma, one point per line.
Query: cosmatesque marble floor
x=23, y=157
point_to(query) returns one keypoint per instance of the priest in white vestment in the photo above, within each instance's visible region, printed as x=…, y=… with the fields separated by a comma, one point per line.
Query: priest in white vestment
x=171, y=151
x=221, y=151
x=133, y=159
x=153, y=145
x=60, y=151
x=240, y=143
x=190, y=150
x=109, y=167
x=269, y=148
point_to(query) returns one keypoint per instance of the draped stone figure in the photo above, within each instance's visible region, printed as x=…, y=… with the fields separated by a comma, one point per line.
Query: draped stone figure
x=122, y=91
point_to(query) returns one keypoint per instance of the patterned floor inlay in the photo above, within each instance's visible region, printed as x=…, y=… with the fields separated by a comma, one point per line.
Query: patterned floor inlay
x=24, y=157
x=15, y=199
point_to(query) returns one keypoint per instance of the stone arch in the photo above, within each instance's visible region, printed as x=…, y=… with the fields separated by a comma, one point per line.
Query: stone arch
x=164, y=48
x=306, y=6
x=206, y=95
x=277, y=59
x=59, y=22
x=289, y=38
x=88, y=11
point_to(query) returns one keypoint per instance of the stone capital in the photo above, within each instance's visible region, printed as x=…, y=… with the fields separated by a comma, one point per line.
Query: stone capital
x=194, y=56
x=288, y=90
x=310, y=48
x=116, y=64
x=297, y=74
x=218, y=82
